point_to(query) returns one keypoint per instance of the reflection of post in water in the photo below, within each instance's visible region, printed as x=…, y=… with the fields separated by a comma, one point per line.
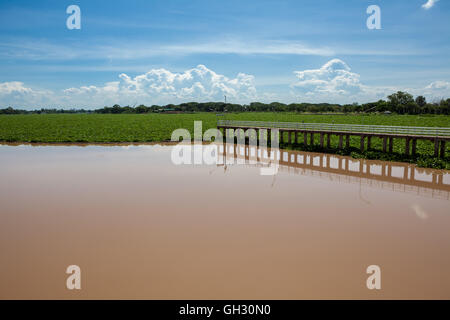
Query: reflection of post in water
x=393, y=176
x=235, y=144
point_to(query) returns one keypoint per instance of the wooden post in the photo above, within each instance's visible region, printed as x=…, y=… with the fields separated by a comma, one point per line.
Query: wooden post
x=328, y=140
x=305, y=138
x=391, y=144
x=224, y=146
x=321, y=140
x=412, y=174
x=362, y=143
x=289, y=137
x=311, y=141
x=436, y=147
x=369, y=142
x=269, y=136
x=347, y=143
x=341, y=138
x=384, y=144
x=281, y=136
x=442, y=149
x=296, y=137
x=414, y=147
x=407, y=146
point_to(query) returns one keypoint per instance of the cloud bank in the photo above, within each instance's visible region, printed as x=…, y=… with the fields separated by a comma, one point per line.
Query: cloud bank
x=334, y=82
x=157, y=86
x=163, y=86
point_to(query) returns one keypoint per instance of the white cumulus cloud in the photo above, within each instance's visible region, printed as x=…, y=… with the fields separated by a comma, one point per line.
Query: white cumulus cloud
x=164, y=86
x=334, y=81
x=435, y=91
x=334, y=77
x=429, y=4
x=438, y=85
x=15, y=93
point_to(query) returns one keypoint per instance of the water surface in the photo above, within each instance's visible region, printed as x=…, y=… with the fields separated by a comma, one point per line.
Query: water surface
x=141, y=227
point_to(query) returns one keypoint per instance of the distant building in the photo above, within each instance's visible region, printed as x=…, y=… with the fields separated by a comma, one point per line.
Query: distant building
x=166, y=110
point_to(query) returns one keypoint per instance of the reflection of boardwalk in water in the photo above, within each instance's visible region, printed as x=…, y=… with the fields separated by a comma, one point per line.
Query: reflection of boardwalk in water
x=379, y=174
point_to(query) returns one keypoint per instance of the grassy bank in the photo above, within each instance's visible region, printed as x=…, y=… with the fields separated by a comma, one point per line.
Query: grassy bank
x=58, y=128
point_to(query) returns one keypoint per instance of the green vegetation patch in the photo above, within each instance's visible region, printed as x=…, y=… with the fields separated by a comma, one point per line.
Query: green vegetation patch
x=154, y=127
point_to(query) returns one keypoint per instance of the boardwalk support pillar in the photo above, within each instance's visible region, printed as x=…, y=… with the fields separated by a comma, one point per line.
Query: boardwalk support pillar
x=407, y=140
x=385, y=144
x=362, y=144
x=442, y=149
x=341, y=138
x=436, y=147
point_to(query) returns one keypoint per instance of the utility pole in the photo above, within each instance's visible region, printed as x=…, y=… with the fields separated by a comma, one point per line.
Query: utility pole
x=225, y=98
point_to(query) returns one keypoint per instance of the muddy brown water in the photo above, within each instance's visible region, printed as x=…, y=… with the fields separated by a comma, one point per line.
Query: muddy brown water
x=141, y=227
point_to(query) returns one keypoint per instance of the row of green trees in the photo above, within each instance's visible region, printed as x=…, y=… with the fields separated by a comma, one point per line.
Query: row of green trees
x=400, y=102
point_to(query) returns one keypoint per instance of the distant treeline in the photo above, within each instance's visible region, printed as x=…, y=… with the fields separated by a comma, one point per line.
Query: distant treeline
x=400, y=103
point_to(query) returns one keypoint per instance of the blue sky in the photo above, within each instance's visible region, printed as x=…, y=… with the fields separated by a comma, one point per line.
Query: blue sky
x=158, y=52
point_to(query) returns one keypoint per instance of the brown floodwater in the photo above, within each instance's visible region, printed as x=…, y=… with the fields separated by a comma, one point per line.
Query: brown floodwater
x=140, y=227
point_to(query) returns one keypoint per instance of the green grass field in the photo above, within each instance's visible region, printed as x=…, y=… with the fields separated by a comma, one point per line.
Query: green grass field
x=101, y=128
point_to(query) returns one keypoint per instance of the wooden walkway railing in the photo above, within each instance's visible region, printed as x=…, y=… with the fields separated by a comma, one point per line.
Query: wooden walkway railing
x=356, y=128
x=387, y=133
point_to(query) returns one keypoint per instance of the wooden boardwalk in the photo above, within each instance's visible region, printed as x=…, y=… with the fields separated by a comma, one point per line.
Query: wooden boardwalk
x=410, y=135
